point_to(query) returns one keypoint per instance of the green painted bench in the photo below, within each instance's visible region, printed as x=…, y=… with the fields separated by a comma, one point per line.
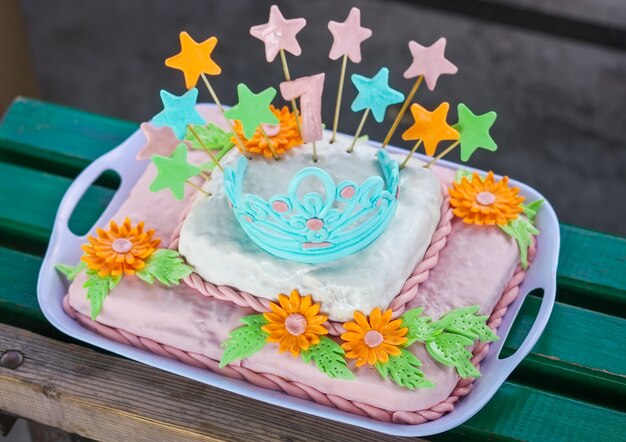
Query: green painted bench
x=571, y=387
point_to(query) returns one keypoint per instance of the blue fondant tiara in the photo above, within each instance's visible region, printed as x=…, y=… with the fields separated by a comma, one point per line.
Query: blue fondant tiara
x=316, y=227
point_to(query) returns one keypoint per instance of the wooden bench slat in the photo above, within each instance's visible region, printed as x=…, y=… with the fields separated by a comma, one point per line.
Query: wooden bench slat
x=57, y=138
x=29, y=200
x=106, y=398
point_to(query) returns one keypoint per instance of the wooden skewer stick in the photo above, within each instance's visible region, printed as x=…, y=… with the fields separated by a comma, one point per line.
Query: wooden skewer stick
x=205, y=147
x=269, y=142
x=221, y=109
x=283, y=60
x=359, y=129
x=408, y=157
x=205, y=175
x=403, y=109
x=342, y=76
x=314, y=152
x=198, y=188
x=443, y=153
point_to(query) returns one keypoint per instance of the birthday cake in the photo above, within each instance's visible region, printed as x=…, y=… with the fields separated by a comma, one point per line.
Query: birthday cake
x=263, y=247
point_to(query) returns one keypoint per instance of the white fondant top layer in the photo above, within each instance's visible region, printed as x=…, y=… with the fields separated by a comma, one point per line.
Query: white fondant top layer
x=216, y=246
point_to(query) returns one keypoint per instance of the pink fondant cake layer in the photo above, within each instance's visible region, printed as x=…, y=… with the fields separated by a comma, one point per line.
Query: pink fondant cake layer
x=183, y=319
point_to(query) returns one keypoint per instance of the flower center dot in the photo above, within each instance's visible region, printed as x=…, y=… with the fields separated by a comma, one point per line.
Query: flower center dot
x=485, y=198
x=122, y=245
x=373, y=338
x=295, y=324
x=271, y=129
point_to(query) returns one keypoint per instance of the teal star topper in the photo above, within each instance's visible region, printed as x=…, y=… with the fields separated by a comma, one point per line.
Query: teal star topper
x=178, y=112
x=375, y=94
x=173, y=172
x=474, y=131
x=253, y=109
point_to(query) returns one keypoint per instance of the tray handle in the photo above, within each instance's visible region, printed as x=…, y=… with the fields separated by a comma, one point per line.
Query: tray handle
x=111, y=161
x=507, y=365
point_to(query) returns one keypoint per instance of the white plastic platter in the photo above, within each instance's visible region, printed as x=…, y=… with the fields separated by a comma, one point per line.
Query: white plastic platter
x=64, y=247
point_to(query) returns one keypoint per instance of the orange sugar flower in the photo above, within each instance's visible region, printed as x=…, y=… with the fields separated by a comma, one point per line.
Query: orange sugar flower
x=373, y=340
x=485, y=202
x=295, y=324
x=119, y=250
x=283, y=136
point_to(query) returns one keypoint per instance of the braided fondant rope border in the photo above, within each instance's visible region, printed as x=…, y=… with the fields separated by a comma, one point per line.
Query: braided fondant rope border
x=303, y=391
x=398, y=304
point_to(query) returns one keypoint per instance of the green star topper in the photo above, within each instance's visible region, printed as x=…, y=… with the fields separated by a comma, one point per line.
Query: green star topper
x=474, y=131
x=252, y=109
x=173, y=172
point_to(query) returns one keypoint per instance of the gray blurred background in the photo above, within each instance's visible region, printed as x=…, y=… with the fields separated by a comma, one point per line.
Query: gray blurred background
x=554, y=71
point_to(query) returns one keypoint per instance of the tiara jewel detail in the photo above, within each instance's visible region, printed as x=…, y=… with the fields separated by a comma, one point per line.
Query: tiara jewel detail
x=316, y=227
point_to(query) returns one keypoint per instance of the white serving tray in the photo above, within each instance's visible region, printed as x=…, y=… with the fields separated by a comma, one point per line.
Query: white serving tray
x=64, y=247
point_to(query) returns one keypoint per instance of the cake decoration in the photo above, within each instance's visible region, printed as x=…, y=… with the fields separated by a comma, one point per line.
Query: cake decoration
x=347, y=38
x=194, y=59
x=174, y=171
x=428, y=63
x=253, y=111
x=485, y=201
x=296, y=326
x=316, y=227
x=159, y=141
x=178, y=112
x=309, y=90
x=279, y=35
x=474, y=131
x=283, y=136
x=212, y=136
x=429, y=128
x=375, y=95
x=124, y=250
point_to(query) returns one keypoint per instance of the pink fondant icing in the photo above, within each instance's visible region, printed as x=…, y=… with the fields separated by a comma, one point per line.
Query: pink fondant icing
x=295, y=324
x=314, y=224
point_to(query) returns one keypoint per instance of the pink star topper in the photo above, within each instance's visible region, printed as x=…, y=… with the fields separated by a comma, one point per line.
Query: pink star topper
x=279, y=33
x=429, y=62
x=160, y=141
x=348, y=36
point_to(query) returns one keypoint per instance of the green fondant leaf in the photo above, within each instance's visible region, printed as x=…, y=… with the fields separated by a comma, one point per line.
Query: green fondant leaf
x=98, y=287
x=462, y=173
x=404, y=371
x=167, y=266
x=244, y=341
x=522, y=230
x=213, y=137
x=463, y=321
x=329, y=358
x=449, y=349
x=70, y=272
x=421, y=328
x=531, y=209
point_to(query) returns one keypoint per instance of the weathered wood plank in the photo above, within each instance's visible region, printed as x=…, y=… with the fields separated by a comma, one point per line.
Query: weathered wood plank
x=109, y=398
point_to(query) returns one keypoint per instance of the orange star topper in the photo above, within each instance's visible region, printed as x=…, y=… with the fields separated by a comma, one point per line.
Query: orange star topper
x=194, y=59
x=430, y=127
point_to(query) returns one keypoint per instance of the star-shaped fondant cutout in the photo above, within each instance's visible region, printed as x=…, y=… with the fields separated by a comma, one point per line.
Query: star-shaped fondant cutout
x=429, y=62
x=194, y=59
x=173, y=171
x=348, y=36
x=178, y=112
x=474, y=131
x=252, y=109
x=279, y=33
x=375, y=94
x=159, y=141
x=430, y=127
